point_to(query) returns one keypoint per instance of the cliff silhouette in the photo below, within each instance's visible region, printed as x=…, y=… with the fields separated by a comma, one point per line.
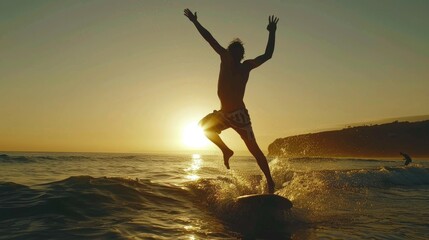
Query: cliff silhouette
x=384, y=140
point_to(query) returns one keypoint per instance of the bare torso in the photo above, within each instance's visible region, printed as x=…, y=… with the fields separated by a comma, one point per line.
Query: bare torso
x=232, y=82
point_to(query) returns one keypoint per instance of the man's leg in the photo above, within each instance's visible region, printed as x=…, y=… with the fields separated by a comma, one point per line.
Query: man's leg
x=261, y=160
x=227, y=153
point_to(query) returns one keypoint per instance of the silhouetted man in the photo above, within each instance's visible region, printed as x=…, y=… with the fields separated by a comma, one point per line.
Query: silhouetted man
x=232, y=81
x=407, y=158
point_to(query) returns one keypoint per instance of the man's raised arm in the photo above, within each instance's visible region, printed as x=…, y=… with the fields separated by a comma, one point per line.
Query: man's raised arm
x=272, y=27
x=206, y=34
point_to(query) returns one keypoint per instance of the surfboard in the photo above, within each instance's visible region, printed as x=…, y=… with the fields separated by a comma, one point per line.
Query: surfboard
x=265, y=201
x=262, y=212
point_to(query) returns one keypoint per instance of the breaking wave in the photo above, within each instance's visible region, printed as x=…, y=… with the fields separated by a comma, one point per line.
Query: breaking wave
x=88, y=207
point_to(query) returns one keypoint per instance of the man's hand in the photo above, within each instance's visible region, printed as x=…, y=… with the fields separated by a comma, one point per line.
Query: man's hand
x=272, y=23
x=192, y=16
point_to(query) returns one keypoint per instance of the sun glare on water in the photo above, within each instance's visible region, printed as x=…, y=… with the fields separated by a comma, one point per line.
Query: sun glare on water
x=193, y=136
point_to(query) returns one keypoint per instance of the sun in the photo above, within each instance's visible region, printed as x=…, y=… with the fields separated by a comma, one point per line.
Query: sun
x=193, y=136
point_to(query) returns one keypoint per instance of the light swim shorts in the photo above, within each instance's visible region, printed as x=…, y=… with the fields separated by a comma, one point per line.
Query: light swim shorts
x=239, y=120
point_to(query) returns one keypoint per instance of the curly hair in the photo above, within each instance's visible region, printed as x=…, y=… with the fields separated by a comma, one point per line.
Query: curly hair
x=236, y=49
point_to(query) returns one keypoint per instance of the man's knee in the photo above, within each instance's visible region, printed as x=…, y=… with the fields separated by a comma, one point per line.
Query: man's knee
x=210, y=132
x=254, y=149
x=252, y=146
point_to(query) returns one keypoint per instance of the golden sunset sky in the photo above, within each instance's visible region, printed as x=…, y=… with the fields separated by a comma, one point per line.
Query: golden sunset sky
x=128, y=76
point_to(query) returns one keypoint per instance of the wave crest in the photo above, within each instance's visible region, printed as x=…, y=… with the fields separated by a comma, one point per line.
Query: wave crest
x=4, y=158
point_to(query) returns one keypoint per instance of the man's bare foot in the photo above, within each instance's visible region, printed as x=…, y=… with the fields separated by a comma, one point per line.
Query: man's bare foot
x=226, y=156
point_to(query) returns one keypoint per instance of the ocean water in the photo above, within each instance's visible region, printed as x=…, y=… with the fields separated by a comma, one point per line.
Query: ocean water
x=140, y=196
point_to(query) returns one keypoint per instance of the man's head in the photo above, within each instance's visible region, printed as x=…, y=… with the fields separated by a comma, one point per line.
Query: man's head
x=236, y=49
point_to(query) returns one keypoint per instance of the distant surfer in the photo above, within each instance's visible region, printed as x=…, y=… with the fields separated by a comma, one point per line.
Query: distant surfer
x=232, y=81
x=407, y=158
